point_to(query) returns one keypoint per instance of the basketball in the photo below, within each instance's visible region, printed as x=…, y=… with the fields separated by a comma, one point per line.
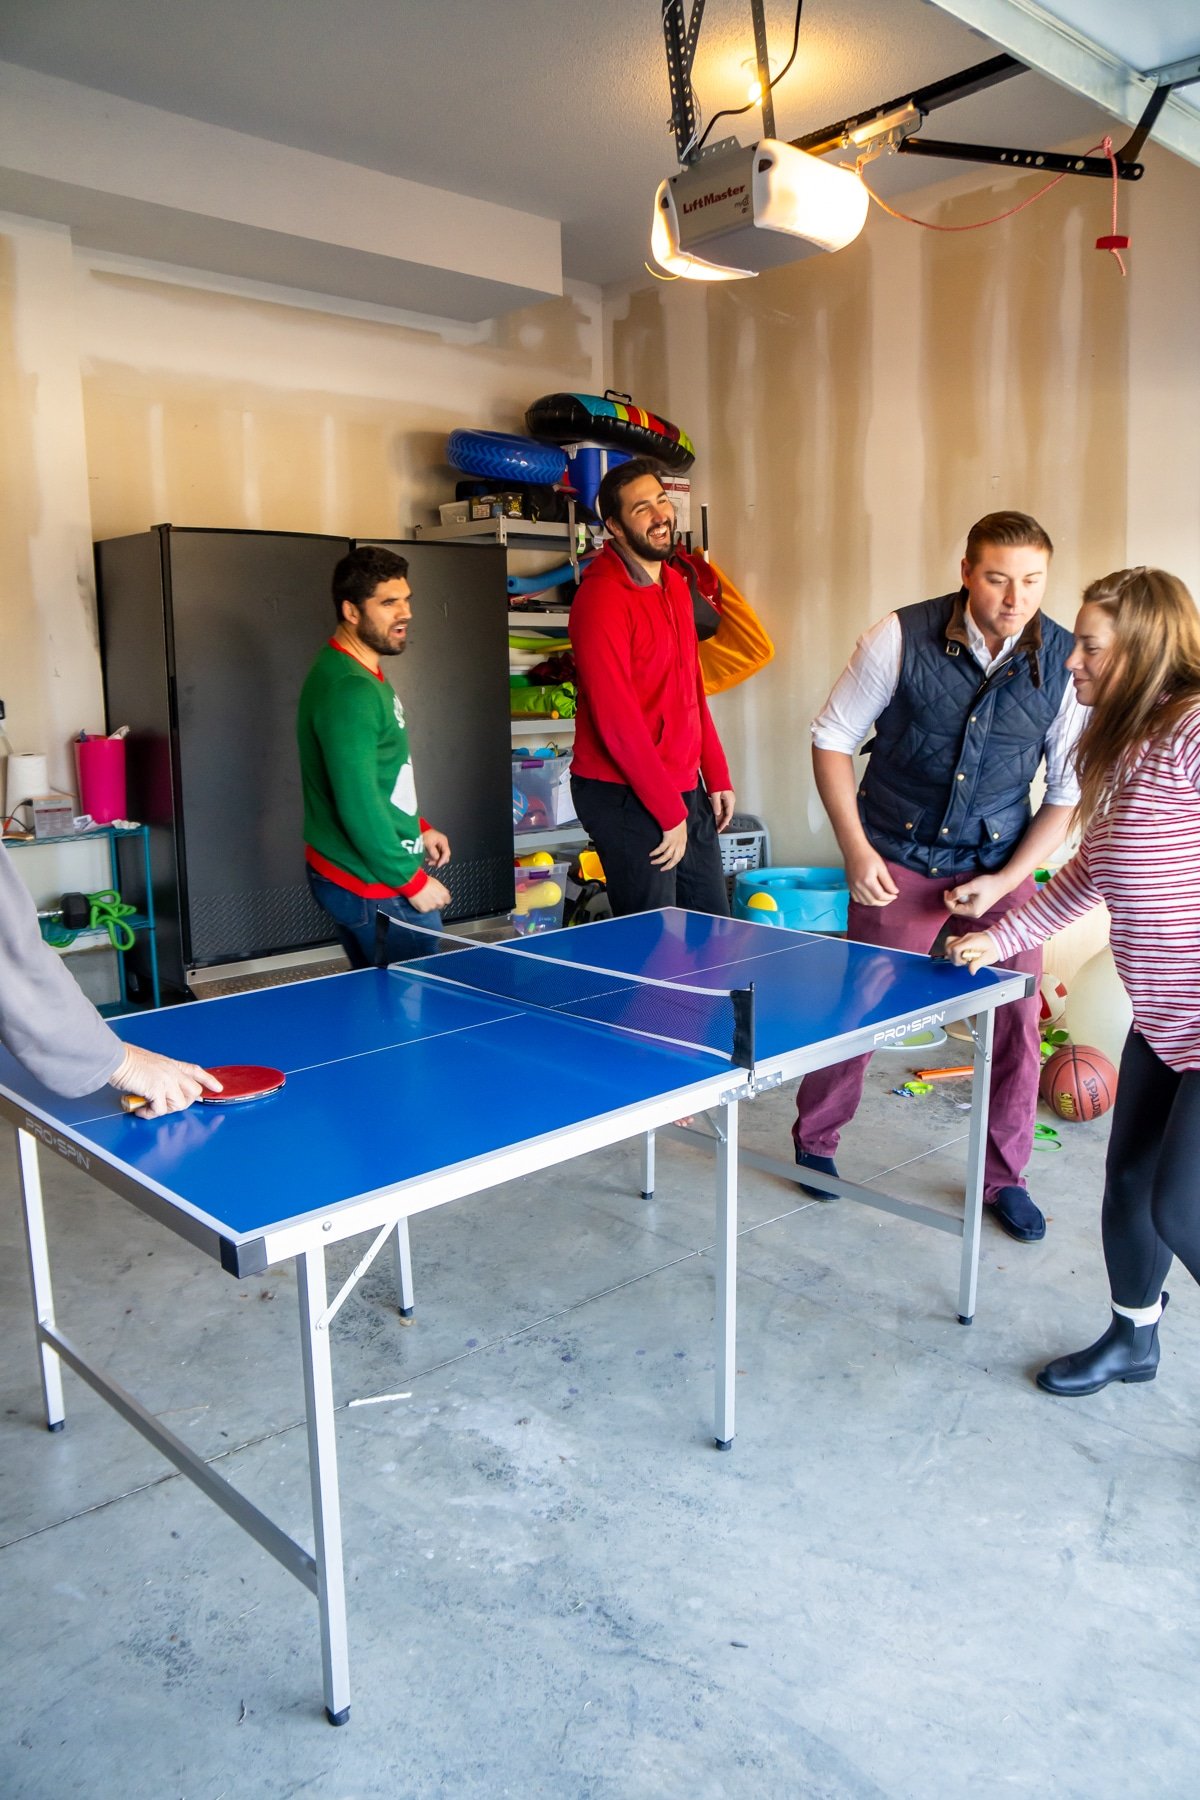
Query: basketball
x=1078, y=1083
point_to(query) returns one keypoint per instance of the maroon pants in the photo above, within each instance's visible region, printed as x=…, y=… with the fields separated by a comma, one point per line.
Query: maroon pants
x=828, y=1098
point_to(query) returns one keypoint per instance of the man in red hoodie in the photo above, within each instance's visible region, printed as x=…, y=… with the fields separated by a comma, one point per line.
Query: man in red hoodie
x=648, y=775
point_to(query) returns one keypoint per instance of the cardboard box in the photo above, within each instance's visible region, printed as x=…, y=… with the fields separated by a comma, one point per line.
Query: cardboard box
x=53, y=816
x=678, y=490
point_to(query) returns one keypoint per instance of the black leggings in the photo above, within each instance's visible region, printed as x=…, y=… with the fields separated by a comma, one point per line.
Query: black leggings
x=1152, y=1176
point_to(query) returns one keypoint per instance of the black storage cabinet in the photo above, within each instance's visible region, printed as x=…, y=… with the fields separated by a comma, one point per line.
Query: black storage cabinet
x=206, y=639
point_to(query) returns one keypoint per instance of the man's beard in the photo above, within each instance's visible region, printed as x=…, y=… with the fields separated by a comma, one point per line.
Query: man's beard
x=640, y=544
x=380, y=642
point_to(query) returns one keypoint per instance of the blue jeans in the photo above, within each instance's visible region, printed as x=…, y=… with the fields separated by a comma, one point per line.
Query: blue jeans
x=356, y=923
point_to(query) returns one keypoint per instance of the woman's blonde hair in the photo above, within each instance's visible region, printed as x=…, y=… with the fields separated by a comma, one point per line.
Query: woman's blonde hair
x=1151, y=678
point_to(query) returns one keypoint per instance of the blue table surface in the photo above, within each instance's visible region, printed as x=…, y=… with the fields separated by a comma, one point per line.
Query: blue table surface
x=392, y=1076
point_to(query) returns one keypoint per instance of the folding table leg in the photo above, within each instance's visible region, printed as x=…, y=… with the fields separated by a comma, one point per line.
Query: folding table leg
x=726, y=1250
x=39, y=1276
x=648, y=1166
x=984, y=1024
x=404, y=1274
x=323, y=1477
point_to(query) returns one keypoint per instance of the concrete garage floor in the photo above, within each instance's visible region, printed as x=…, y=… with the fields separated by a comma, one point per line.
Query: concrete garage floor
x=913, y=1576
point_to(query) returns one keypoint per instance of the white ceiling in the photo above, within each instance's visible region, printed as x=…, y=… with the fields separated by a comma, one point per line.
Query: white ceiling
x=556, y=108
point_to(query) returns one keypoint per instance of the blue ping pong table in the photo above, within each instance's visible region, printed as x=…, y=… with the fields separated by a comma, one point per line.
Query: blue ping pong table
x=474, y=1090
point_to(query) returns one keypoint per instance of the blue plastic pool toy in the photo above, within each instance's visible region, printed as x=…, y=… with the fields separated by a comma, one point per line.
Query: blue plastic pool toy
x=803, y=899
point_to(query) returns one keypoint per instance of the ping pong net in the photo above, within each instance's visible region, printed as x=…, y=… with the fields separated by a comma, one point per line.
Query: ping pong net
x=716, y=1021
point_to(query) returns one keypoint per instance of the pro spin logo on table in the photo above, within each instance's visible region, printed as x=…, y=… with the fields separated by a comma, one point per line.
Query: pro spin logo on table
x=53, y=1141
x=903, y=1031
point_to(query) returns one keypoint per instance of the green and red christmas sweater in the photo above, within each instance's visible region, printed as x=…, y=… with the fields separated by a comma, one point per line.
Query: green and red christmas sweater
x=362, y=828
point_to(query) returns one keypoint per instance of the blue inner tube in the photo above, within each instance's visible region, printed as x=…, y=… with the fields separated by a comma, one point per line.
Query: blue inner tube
x=499, y=456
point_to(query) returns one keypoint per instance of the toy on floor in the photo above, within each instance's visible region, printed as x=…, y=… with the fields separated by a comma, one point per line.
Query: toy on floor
x=1052, y=1001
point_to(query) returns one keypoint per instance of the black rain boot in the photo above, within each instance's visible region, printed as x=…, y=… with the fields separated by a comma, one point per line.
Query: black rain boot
x=1126, y=1352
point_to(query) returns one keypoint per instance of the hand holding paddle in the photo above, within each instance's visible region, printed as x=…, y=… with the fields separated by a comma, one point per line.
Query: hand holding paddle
x=974, y=952
x=227, y=1083
x=151, y=1085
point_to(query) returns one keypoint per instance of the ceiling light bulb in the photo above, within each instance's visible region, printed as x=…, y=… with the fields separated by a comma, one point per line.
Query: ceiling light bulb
x=754, y=92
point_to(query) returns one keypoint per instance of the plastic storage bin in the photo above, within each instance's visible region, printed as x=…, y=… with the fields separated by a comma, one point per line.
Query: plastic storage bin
x=799, y=899
x=541, y=792
x=745, y=844
x=539, y=899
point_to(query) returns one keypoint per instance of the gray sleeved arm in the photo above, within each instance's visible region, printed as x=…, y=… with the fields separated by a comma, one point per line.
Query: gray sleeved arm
x=46, y=1020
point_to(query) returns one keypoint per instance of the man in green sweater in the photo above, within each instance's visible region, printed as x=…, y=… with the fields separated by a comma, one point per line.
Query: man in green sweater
x=365, y=841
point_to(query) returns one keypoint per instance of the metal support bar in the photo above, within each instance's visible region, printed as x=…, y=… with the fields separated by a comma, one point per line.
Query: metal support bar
x=939, y=93
x=323, y=1480
x=837, y=1189
x=693, y=37
x=976, y=1146
x=1176, y=74
x=1053, y=162
x=648, y=1166
x=766, y=98
x=572, y=537
x=404, y=1273
x=1145, y=125
x=681, y=48
x=357, y=1272
x=726, y=1254
x=263, y=1530
x=38, y=1252
x=686, y=1134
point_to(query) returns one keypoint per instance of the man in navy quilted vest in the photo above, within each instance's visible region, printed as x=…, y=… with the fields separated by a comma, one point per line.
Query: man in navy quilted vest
x=967, y=694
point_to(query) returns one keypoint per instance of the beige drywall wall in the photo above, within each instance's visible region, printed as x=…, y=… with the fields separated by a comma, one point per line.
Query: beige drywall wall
x=210, y=408
x=1163, y=468
x=855, y=413
x=49, y=662
x=132, y=395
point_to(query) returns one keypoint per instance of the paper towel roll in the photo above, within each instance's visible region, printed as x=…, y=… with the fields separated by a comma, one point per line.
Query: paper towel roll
x=26, y=777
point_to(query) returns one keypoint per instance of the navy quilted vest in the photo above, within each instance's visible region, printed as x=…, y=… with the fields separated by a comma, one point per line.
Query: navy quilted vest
x=946, y=791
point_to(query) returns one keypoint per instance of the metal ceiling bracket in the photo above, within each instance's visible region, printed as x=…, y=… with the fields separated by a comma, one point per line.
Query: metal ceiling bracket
x=1053, y=162
x=766, y=99
x=681, y=51
x=927, y=99
x=1173, y=76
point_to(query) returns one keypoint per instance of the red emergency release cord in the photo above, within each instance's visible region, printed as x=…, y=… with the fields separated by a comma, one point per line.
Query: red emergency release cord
x=1114, y=241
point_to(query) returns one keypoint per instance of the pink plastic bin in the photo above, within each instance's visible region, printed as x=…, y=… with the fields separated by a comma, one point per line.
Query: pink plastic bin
x=100, y=762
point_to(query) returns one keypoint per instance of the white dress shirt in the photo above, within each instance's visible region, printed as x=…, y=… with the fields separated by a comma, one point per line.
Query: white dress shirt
x=871, y=677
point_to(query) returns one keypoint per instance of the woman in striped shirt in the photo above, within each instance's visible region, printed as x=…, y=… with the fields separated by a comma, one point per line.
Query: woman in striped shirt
x=1136, y=663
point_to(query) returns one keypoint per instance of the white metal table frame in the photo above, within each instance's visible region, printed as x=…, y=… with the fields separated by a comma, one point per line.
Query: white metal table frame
x=387, y=1212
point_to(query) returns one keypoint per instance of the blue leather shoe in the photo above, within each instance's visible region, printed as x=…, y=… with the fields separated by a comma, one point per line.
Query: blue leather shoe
x=824, y=1165
x=1016, y=1213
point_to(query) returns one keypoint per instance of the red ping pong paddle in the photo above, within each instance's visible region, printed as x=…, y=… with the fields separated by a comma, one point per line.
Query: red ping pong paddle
x=239, y=1081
